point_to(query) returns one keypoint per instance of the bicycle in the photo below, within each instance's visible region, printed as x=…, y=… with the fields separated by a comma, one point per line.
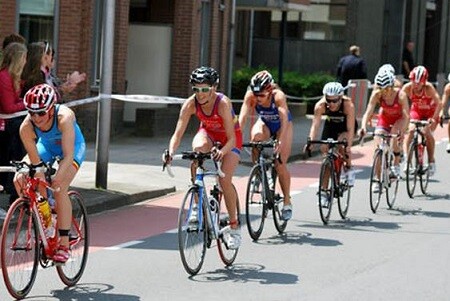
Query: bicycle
x=415, y=166
x=261, y=193
x=210, y=225
x=26, y=241
x=331, y=183
x=381, y=176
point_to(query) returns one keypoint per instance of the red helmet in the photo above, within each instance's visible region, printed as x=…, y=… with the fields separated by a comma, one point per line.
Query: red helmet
x=419, y=75
x=40, y=98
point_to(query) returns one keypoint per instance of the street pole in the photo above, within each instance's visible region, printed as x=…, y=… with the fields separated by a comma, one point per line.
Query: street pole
x=104, y=105
x=231, y=48
x=281, y=50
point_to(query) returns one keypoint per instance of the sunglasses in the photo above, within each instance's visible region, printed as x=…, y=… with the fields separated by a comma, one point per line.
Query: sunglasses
x=332, y=100
x=41, y=113
x=201, y=89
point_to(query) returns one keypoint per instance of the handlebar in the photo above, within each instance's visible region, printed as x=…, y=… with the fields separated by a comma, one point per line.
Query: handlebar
x=382, y=135
x=28, y=168
x=419, y=123
x=261, y=145
x=330, y=142
x=192, y=155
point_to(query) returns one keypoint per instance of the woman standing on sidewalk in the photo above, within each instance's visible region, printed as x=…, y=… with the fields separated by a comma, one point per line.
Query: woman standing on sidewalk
x=274, y=120
x=218, y=123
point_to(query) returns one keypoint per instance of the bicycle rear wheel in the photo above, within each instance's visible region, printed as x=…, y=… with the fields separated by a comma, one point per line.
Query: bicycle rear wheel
x=191, y=236
x=227, y=255
x=278, y=202
x=71, y=272
x=376, y=181
x=255, y=204
x=412, y=169
x=326, y=188
x=344, y=197
x=19, y=249
x=392, y=185
x=424, y=174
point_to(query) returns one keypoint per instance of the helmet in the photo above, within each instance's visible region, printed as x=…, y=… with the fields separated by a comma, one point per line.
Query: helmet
x=333, y=89
x=387, y=67
x=384, y=79
x=419, y=74
x=204, y=75
x=448, y=77
x=40, y=98
x=261, y=81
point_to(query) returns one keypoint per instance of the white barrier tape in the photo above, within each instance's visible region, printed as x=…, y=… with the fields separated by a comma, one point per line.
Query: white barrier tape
x=149, y=99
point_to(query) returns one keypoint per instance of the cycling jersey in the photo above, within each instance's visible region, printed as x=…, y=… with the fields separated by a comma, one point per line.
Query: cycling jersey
x=422, y=106
x=212, y=125
x=335, y=122
x=271, y=117
x=49, y=142
x=389, y=114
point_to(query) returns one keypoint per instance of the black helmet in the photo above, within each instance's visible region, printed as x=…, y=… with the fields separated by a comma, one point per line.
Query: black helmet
x=261, y=81
x=204, y=75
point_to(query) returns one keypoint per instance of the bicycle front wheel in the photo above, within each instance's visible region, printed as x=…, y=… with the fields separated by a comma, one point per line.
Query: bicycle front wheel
x=326, y=190
x=71, y=272
x=376, y=181
x=278, y=202
x=191, y=235
x=392, y=185
x=19, y=249
x=412, y=169
x=344, y=197
x=424, y=174
x=255, y=204
x=226, y=254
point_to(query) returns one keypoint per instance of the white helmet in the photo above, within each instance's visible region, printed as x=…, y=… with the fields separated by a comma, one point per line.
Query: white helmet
x=387, y=67
x=448, y=77
x=384, y=79
x=333, y=89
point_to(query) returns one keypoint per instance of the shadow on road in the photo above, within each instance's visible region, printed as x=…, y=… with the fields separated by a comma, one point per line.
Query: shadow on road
x=299, y=238
x=247, y=272
x=91, y=292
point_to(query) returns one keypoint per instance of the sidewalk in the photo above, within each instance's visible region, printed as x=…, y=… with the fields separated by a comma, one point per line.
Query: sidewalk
x=135, y=169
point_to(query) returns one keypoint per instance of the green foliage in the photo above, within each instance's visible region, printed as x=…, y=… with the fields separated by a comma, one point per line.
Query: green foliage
x=294, y=83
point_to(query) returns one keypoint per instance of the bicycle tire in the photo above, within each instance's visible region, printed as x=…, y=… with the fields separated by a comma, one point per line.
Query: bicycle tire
x=325, y=211
x=19, y=249
x=412, y=168
x=71, y=272
x=255, y=204
x=278, y=203
x=392, y=185
x=375, y=196
x=191, y=242
x=228, y=256
x=424, y=176
x=344, y=194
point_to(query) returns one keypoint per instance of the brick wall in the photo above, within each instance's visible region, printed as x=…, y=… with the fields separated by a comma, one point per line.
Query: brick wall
x=8, y=17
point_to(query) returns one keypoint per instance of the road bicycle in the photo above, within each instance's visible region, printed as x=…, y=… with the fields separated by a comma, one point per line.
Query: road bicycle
x=211, y=224
x=382, y=177
x=417, y=160
x=26, y=241
x=331, y=184
x=261, y=193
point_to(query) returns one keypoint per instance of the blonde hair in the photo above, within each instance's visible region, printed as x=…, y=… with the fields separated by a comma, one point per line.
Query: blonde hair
x=12, y=61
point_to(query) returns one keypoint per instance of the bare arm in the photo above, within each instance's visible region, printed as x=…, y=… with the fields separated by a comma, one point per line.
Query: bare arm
x=28, y=137
x=225, y=108
x=315, y=124
x=437, y=101
x=281, y=103
x=187, y=110
x=403, y=101
x=373, y=101
x=246, y=108
x=445, y=97
x=349, y=110
x=66, y=120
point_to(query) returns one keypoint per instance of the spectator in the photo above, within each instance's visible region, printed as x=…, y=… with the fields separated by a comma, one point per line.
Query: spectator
x=14, y=58
x=13, y=38
x=407, y=59
x=38, y=70
x=351, y=66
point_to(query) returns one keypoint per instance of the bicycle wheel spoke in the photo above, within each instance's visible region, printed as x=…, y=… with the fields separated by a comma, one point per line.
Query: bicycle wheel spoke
x=376, y=181
x=344, y=198
x=255, y=205
x=227, y=255
x=424, y=174
x=19, y=249
x=71, y=272
x=191, y=235
x=326, y=190
x=412, y=168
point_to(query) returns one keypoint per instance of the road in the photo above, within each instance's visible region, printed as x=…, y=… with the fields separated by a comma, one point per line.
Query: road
x=399, y=254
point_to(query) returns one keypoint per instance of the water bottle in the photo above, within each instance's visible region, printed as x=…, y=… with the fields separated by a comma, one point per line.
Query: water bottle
x=214, y=207
x=46, y=213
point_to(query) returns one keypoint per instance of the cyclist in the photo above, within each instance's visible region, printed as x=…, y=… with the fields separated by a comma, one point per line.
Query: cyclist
x=445, y=97
x=218, y=123
x=50, y=131
x=425, y=105
x=340, y=124
x=275, y=121
x=393, y=113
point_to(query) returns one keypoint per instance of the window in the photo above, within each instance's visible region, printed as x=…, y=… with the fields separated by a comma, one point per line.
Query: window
x=36, y=18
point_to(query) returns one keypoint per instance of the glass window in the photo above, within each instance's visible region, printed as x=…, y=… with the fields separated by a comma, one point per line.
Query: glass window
x=36, y=19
